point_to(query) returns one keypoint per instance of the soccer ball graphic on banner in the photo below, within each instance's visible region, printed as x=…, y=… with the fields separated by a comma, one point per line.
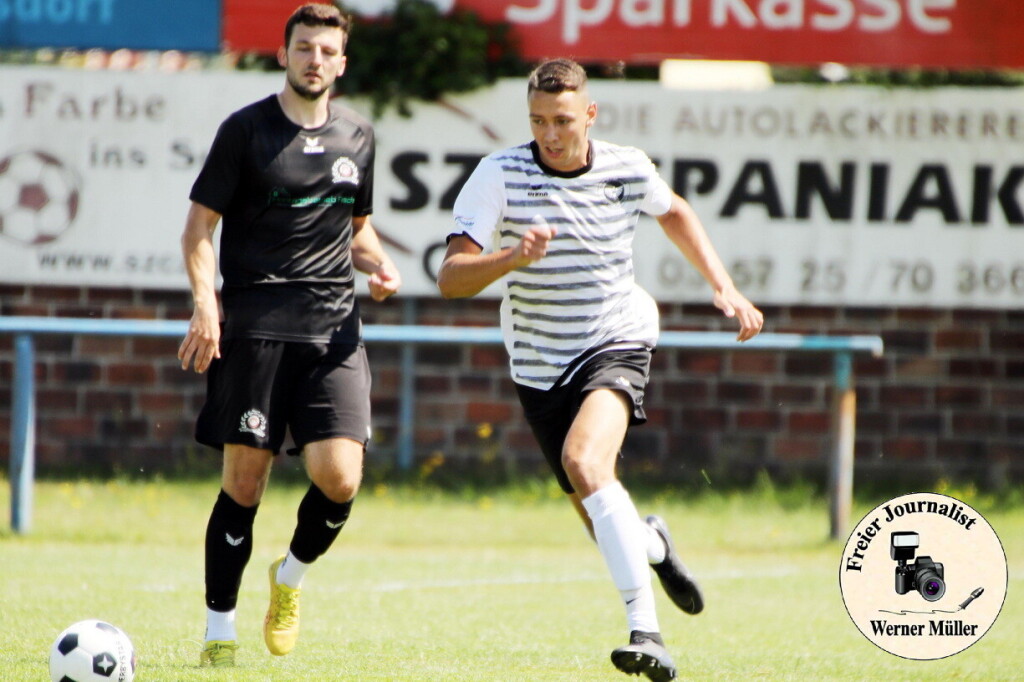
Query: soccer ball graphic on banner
x=39, y=197
x=92, y=651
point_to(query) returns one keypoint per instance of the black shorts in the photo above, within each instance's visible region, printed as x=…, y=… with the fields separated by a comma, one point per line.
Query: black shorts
x=259, y=388
x=550, y=413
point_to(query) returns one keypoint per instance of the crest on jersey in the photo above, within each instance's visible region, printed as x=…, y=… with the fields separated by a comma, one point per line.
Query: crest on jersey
x=255, y=422
x=345, y=170
x=614, y=190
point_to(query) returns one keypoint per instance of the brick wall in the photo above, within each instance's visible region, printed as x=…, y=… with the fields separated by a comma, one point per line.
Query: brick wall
x=944, y=401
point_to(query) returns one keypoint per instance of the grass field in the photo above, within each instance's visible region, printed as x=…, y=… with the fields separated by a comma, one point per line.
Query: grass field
x=441, y=586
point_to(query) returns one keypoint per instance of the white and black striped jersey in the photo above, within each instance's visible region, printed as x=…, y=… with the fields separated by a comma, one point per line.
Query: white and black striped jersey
x=582, y=294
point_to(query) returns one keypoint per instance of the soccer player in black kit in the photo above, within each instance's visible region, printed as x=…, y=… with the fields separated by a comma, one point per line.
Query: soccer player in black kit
x=291, y=176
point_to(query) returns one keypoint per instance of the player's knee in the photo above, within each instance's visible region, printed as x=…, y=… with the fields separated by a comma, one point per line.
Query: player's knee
x=247, y=492
x=587, y=470
x=338, y=490
x=579, y=467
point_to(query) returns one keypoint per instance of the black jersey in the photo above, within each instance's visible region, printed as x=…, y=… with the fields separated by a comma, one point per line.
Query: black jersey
x=287, y=196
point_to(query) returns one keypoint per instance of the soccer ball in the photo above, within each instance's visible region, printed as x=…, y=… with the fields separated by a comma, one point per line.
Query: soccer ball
x=92, y=651
x=39, y=197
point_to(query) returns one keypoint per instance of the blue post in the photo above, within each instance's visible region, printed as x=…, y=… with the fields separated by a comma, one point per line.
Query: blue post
x=23, y=434
x=407, y=392
x=844, y=412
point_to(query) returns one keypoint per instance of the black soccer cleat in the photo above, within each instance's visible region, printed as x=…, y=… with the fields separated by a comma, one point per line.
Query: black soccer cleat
x=645, y=655
x=680, y=585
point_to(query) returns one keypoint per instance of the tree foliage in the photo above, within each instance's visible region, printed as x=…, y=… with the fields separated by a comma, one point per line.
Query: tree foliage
x=416, y=52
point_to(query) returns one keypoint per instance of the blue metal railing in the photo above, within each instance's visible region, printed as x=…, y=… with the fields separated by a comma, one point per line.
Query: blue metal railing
x=22, y=462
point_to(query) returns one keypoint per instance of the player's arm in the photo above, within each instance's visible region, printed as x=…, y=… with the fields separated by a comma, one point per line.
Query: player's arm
x=684, y=228
x=369, y=256
x=466, y=270
x=202, y=342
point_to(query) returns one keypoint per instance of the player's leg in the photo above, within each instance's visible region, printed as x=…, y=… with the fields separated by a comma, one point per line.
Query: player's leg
x=626, y=373
x=330, y=423
x=229, y=536
x=588, y=457
x=552, y=414
x=577, y=504
x=335, y=470
x=238, y=418
x=591, y=448
x=678, y=582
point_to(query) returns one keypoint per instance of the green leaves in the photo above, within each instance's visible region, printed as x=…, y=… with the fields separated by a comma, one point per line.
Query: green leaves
x=415, y=52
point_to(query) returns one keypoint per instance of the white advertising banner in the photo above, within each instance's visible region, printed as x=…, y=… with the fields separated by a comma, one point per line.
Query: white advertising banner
x=816, y=195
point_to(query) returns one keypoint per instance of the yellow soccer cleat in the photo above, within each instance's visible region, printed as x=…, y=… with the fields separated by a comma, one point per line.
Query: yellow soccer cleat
x=281, y=626
x=218, y=654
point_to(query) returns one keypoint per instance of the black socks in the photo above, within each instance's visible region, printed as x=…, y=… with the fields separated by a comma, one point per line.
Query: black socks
x=229, y=540
x=319, y=522
x=228, y=548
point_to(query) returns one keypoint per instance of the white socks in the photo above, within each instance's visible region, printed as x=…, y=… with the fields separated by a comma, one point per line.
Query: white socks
x=220, y=626
x=623, y=540
x=291, y=571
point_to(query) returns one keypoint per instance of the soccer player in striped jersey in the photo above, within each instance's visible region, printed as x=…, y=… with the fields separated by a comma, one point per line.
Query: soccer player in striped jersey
x=555, y=218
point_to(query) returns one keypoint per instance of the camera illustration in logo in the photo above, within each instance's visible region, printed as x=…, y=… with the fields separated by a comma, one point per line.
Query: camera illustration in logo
x=924, y=575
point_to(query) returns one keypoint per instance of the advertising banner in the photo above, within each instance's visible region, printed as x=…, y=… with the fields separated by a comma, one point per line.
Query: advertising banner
x=817, y=195
x=891, y=33
x=111, y=24
x=960, y=34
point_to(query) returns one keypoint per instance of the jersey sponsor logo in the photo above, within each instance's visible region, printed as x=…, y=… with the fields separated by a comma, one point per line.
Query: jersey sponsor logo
x=536, y=191
x=312, y=146
x=279, y=196
x=255, y=422
x=464, y=222
x=345, y=170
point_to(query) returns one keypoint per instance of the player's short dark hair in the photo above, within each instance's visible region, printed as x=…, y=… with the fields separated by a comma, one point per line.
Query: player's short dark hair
x=557, y=75
x=318, y=14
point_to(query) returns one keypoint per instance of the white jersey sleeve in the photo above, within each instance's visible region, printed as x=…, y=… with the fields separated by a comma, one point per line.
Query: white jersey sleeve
x=480, y=206
x=658, y=199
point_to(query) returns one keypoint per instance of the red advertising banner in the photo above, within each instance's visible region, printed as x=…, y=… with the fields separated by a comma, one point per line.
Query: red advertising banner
x=929, y=33
x=893, y=33
x=256, y=25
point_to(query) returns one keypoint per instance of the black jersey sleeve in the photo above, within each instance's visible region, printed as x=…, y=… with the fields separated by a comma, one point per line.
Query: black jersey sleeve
x=363, y=205
x=218, y=180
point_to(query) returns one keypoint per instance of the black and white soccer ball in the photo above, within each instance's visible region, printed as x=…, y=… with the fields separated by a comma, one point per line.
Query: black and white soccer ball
x=92, y=651
x=39, y=197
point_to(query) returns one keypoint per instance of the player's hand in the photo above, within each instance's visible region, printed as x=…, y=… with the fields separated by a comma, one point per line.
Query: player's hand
x=384, y=282
x=734, y=304
x=202, y=342
x=534, y=244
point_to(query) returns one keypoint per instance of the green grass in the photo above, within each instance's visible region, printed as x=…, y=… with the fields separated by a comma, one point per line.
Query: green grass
x=423, y=585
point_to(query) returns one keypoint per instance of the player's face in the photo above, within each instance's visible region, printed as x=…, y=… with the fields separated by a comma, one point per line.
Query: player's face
x=560, y=123
x=313, y=59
